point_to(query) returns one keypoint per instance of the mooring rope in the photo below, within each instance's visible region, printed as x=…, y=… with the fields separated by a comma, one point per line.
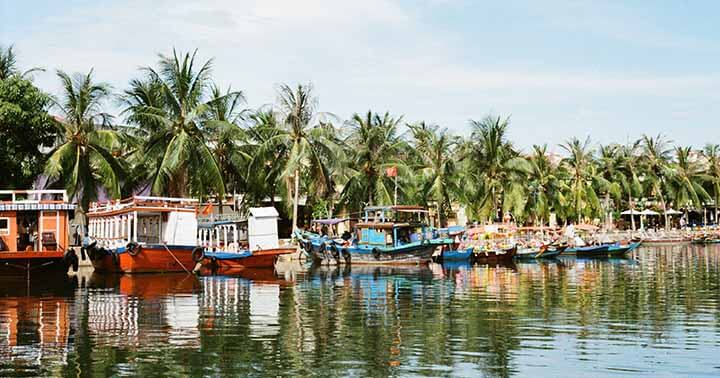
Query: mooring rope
x=176, y=259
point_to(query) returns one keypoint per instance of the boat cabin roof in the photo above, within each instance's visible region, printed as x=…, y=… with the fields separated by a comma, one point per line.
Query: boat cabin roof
x=34, y=200
x=143, y=203
x=398, y=208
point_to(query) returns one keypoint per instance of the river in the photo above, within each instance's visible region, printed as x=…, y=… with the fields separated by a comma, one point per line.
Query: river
x=655, y=313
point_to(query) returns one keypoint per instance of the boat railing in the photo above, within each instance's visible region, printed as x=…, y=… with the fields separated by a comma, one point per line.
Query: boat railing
x=170, y=202
x=33, y=196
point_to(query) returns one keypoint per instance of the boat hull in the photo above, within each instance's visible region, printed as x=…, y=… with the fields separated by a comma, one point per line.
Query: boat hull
x=152, y=258
x=265, y=258
x=24, y=263
x=413, y=255
x=494, y=256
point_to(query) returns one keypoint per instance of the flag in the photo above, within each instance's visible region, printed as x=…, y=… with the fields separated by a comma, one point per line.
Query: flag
x=207, y=210
x=391, y=172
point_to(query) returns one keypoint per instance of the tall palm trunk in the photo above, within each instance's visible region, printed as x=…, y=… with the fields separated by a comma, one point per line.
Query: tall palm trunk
x=632, y=211
x=296, y=196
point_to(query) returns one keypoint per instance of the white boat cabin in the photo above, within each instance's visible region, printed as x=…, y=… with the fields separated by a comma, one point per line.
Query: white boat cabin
x=230, y=233
x=143, y=220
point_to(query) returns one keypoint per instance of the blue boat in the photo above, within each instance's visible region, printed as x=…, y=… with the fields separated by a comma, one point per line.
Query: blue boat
x=589, y=251
x=457, y=255
x=385, y=235
x=618, y=250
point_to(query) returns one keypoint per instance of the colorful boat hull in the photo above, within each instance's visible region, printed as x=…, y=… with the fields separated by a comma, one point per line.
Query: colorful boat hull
x=494, y=256
x=150, y=258
x=224, y=262
x=24, y=263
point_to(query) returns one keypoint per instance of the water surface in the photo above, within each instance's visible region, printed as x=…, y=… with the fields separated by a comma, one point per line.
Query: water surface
x=655, y=313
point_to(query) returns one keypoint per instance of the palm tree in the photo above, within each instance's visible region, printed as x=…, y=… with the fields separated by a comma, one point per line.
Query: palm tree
x=610, y=163
x=84, y=160
x=584, y=179
x=544, y=185
x=712, y=154
x=173, y=105
x=306, y=146
x=8, y=64
x=495, y=167
x=437, y=167
x=631, y=171
x=656, y=157
x=226, y=138
x=374, y=145
x=686, y=178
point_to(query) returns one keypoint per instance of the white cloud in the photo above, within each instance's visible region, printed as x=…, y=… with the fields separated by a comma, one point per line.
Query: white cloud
x=360, y=55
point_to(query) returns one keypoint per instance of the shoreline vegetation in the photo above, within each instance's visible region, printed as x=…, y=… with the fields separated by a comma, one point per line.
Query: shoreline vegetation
x=179, y=133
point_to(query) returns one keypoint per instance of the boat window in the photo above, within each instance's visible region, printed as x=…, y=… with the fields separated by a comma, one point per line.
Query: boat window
x=4, y=226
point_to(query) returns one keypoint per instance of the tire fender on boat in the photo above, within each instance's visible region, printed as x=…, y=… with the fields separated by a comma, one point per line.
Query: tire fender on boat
x=307, y=246
x=334, y=251
x=376, y=253
x=71, y=260
x=346, y=254
x=133, y=248
x=198, y=254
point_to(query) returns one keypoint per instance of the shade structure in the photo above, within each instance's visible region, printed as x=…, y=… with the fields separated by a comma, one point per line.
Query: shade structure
x=630, y=212
x=673, y=212
x=649, y=212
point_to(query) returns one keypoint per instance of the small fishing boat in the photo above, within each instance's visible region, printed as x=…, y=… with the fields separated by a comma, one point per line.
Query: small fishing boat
x=545, y=252
x=622, y=249
x=706, y=239
x=456, y=255
x=34, y=229
x=493, y=255
x=225, y=245
x=395, y=235
x=143, y=235
x=589, y=251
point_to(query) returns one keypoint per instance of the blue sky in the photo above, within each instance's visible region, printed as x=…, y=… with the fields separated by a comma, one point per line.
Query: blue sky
x=610, y=70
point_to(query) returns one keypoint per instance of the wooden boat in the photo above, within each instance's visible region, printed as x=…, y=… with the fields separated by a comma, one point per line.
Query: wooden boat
x=395, y=235
x=620, y=249
x=456, y=255
x=225, y=245
x=495, y=255
x=706, y=239
x=143, y=235
x=544, y=252
x=34, y=228
x=589, y=251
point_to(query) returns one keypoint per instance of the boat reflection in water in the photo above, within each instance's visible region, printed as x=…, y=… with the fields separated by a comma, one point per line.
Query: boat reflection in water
x=143, y=309
x=35, y=325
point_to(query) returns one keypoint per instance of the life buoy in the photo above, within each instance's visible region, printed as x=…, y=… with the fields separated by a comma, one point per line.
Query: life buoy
x=133, y=249
x=198, y=254
x=376, y=253
x=334, y=251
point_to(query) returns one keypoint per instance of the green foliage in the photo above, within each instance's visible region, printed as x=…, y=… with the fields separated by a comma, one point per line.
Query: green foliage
x=186, y=136
x=85, y=159
x=27, y=131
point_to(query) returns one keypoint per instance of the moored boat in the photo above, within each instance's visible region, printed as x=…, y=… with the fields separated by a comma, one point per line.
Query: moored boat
x=229, y=246
x=34, y=228
x=395, y=235
x=619, y=249
x=589, y=251
x=143, y=235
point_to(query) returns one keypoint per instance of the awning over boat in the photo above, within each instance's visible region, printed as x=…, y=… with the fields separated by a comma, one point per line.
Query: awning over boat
x=35, y=206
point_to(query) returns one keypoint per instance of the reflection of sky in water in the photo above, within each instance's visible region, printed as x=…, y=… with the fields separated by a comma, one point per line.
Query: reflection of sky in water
x=654, y=314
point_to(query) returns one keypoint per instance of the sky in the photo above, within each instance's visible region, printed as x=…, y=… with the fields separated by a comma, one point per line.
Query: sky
x=611, y=70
